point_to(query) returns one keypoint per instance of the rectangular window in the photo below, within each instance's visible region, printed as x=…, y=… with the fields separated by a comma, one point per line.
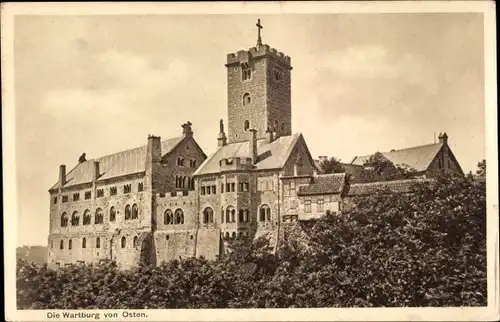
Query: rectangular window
x=246, y=74
x=127, y=188
x=233, y=186
x=307, y=206
x=100, y=193
x=320, y=205
x=246, y=187
x=88, y=195
x=214, y=189
x=202, y=190
x=140, y=186
x=65, y=198
x=76, y=196
x=292, y=185
x=222, y=188
x=55, y=200
x=228, y=187
x=240, y=186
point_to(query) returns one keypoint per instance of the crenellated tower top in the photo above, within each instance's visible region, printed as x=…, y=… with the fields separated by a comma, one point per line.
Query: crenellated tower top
x=259, y=92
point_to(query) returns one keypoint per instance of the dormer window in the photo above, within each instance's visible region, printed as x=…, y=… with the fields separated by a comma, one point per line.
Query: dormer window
x=247, y=99
x=246, y=74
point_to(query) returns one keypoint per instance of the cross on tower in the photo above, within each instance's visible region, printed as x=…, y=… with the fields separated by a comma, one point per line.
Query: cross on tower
x=259, y=26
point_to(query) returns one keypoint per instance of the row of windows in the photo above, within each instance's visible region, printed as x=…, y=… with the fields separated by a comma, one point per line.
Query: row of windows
x=127, y=188
x=228, y=216
x=173, y=218
x=184, y=182
x=131, y=212
x=97, y=243
x=319, y=205
x=181, y=162
x=233, y=235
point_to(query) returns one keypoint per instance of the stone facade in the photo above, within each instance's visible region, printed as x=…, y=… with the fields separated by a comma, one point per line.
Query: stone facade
x=167, y=200
x=259, y=93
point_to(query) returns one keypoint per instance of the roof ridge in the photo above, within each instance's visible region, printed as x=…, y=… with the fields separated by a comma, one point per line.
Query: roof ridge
x=413, y=147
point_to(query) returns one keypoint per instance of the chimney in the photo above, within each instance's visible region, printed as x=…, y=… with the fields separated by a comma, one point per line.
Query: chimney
x=253, y=146
x=62, y=175
x=96, y=170
x=186, y=129
x=221, y=139
x=154, y=149
x=269, y=135
x=443, y=138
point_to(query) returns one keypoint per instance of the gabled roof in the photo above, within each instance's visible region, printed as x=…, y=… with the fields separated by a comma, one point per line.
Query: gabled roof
x=418, y=158
x=397, y=186
x=323, y=184
x=270, y=155
x=115, y=165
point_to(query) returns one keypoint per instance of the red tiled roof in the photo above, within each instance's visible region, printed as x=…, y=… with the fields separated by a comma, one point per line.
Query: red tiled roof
x=115, y=165
x=271, y=155
x=323, y=184
x=397, y=186
x=418, y=158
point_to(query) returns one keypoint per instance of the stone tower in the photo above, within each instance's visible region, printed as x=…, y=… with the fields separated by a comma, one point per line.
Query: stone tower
x=259, y=92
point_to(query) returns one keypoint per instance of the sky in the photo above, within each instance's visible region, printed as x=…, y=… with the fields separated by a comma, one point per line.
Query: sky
x=361, y=83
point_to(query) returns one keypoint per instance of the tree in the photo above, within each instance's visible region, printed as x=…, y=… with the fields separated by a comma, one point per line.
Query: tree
x=379, y=168
x=331, y=165
x=481, y=168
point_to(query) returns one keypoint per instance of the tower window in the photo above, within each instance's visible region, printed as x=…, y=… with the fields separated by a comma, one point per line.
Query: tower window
x=246, y=99
x=278, y=75
x=246, y=74
x=246, y=125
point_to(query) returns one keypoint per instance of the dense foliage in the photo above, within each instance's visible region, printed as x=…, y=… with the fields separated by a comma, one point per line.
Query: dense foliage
x=423, y=249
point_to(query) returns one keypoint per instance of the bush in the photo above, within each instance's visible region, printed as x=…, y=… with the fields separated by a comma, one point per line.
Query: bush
x=423, y=249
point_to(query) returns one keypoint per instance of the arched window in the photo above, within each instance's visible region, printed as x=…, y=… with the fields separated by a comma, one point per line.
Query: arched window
x=99, y=216
x=282, y=126
x=112, y=214
x=246, y=99
x=246, y=125
x=75, y=219
x=84, y=242
x=227, y=235
x=276, y=125
x=70, y=244
x=180, y=161
x=241, y=215
x=208, y=215
x=168, y=217
x=98, y=242
x=179, y=217
x=64, y=220
x=135, y=212
x=264, y=185
x=240, y=235
x=61, y=244
x=233, y=235
x=127, y=212
x=135, y=241
x=86, y=217
x=264, y=213
x=222, y=215
x=230, y=214
x=124, y=242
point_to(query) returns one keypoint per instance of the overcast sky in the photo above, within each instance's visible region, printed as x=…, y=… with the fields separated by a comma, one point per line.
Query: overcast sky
x=360, y=84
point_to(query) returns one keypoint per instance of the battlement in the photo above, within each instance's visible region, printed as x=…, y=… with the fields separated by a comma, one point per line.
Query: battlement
x=176, y=194
x=235, y=164
x=244, y=56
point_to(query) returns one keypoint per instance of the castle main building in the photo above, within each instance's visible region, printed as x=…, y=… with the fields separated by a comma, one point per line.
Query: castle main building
x=167, y=199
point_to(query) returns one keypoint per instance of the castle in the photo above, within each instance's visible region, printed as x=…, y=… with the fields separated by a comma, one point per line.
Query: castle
x=167, y=199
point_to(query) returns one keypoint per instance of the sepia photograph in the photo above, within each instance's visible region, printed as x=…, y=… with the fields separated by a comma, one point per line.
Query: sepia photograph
x=250, y=158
